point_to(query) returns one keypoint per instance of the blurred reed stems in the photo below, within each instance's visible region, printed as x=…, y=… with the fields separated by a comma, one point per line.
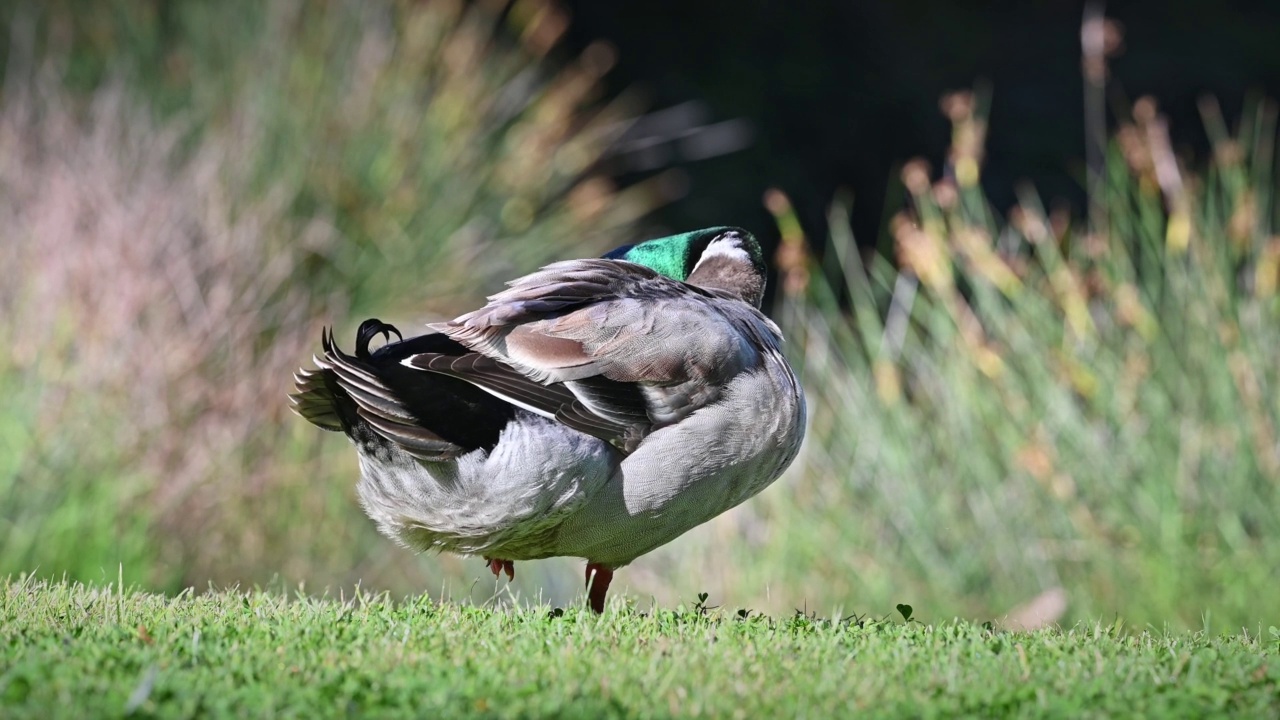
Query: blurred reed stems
x=1016, y=405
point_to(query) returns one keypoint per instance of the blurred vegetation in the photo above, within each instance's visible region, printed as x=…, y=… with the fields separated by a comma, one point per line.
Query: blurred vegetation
x=397, y=124
x=1016, y=406
x=1006, y=408
x=190, y=191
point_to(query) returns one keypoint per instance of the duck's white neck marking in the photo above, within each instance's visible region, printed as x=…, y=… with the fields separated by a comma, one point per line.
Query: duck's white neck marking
x=727, y=248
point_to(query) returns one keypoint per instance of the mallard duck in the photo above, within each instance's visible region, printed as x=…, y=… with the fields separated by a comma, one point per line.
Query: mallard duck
x=597, y=408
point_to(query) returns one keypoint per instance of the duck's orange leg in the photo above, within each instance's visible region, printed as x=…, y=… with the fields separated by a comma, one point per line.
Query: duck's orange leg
x=497, y=566
x=598, y=579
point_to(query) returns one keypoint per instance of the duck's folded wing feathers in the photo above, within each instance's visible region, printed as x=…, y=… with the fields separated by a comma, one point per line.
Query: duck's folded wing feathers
x=634, y=348
x=610, y=414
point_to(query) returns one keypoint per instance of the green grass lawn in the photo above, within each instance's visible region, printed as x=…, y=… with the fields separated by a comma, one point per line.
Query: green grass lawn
x=69, y=650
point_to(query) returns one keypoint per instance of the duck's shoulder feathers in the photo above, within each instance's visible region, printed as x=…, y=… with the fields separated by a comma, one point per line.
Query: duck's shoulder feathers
x=634, y=349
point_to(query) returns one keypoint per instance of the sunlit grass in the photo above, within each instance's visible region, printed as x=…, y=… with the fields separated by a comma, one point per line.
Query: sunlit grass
x=68, y=650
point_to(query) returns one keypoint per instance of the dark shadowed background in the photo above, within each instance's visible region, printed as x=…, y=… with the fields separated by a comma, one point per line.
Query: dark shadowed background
x=837, y=95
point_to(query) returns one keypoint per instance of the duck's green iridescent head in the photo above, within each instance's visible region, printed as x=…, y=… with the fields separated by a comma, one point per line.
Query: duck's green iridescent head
x=728, y=258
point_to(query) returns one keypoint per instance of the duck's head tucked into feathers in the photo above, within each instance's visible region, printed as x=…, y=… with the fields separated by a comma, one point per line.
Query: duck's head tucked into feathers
x=724, y=258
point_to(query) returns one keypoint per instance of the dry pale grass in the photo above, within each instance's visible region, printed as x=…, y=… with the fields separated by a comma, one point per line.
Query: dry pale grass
x=151, y=308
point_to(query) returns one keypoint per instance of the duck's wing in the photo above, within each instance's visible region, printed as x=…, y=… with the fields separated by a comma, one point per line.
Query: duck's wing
x=611, y=411
x=634, y=350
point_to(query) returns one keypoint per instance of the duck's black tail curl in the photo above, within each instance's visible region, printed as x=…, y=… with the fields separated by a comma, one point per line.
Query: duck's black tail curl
x=373, y=397
x=370, y=329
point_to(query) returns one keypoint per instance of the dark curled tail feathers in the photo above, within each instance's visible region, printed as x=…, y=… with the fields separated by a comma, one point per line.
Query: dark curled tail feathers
x=428, y=415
